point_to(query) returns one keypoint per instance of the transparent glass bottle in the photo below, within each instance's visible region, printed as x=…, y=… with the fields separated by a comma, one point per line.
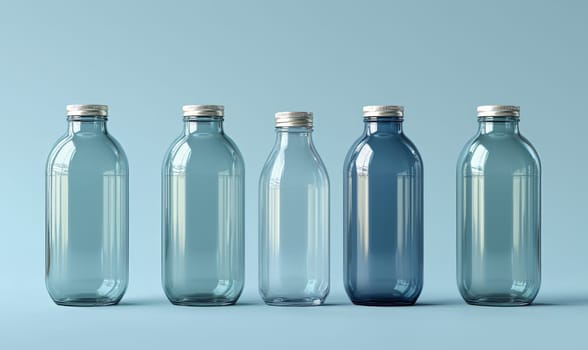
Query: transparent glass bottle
x=87, y=225
x=294, y=217
x=383, y=213
x=203, y=221
x=498, y=213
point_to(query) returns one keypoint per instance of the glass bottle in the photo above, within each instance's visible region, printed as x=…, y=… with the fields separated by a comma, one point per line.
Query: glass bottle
x=203, y=221
x=294, y=217
x=87, y=227
x=498, y=213
x=383, y=213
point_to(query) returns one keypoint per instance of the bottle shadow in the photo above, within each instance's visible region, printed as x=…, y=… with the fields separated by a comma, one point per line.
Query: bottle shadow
x=336, y=303
x=561, y=301
x=249, y=303
x=143, y=301
x=443, y=302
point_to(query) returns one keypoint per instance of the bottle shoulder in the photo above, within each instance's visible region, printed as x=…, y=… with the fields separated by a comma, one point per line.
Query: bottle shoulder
x=395, y=151
x=512, y=153
x=202, y=151
x=99, y=152
x=294, y=165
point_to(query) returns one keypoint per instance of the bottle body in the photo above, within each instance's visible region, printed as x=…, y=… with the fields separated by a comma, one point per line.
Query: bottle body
x=203, y=217
x=498, y=216
x=383, y=217
x=87, y=216
x=294, y=222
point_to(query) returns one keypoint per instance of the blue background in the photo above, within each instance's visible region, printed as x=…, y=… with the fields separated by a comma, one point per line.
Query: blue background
x=438, y=58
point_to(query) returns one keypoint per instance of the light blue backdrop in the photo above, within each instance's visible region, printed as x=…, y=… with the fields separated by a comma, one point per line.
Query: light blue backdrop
x=440, y=59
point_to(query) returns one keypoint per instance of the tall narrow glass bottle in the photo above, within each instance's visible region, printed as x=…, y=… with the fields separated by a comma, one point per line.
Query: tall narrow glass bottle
x=203, y=221
x=383, y=213
x=86, y=213
x=294, y=217
x=499, y=213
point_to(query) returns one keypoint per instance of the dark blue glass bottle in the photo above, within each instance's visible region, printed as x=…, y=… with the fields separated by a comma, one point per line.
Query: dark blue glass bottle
x=383, y=213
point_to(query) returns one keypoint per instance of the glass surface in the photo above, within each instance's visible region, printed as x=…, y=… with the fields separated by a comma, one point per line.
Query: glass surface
x=294, y=222
x=498, y=216
x=203, y=217
x=87, y=217
x=383, y=217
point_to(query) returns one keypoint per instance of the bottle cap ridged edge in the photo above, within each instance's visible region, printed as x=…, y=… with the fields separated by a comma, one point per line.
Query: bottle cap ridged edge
x=203, y=111
x=383, y=111
x=294, y=119
x=498, y=111
x=87, y=110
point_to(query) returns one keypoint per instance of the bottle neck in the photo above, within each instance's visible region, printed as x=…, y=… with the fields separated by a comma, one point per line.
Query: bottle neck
x=383, y=126
x=499, y=125
x=203, y=125
x=86, y=124
x=294, y=137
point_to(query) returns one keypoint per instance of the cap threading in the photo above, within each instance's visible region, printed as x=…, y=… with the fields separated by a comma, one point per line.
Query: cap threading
x=293, y=119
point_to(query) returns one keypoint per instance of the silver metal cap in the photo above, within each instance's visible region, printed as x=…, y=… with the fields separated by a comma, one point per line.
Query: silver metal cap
x=383, y=111
x=203, y=111
x=87, y=110
x=293, y=119
x=498, y=111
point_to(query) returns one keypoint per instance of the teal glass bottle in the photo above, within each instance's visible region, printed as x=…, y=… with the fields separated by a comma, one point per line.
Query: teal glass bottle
x=203, y=219
x=86, y=213
x=499, y=213
x=383, y=213
x=294, y=217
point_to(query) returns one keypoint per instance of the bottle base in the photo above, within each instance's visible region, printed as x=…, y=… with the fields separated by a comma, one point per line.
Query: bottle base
x=383, y=302
x=295, y=301
x=499, y=301
x=191, y=301
x=86, y=302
